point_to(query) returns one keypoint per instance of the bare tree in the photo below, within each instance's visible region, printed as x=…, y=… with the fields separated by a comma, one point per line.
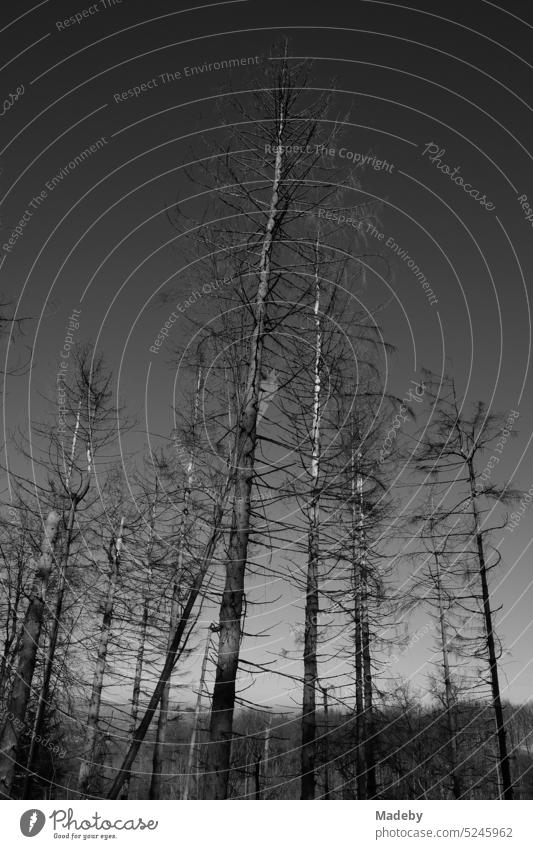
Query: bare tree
x=33, y=622
x=455, y=447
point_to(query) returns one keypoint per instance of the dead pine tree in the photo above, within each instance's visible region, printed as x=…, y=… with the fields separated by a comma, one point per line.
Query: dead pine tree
x=179, y=640
x=16, y=708
x=308, y=749
x=440, y=582
x=449, y=693
x=16, y=575
x=360, y=767
x=150, y=500
x=88, y=417
x=197, y=718
x=75, y=495
x=368, y=709
x=266, y=755
x=455, y=445
x=162, y=723
x=326, y=794
x=284, y=123
x=86, y=774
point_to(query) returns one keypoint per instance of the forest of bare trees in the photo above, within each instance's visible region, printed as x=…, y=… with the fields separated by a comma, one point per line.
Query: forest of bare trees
x=142, y=594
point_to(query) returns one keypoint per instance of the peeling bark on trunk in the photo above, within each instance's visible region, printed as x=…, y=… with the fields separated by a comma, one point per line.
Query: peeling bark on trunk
x=88, y=762
x=18, y=702
x=230, y=633
x=308, y=749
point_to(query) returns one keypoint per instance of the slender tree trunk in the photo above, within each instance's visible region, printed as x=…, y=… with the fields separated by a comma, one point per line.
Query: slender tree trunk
x=50, y=654
x=75, y=499
x=360, y=766
x=371, y=784
x=137, y=679
x=18, y=702
x=87, y=764
x=12, y=638
x=171, y=656
x=266, y=752
x=8, y=642
x=257, y=776
x=197, y=714
x=505, y=765
x=162, y=723
x=308, y=748
x=230, y=633
x=451, y=704
x=327, y=794
x=246, y=775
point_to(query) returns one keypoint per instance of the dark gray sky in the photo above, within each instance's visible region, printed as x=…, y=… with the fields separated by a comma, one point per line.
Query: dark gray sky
x=457, y=76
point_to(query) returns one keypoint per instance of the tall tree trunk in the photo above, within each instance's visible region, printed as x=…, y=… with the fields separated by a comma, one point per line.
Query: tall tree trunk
x=266, y=752
x=308, y=748
x=12, y=638
x=137, y=678
x=246, y=775
x=162, y=723
x=360, y=766
x=75, y=499
x=451, y=703
x=87, y=764
x=196, y=722
x=31, y=632
x=257, y=777
x=52, y=645
x=172, y=654
x=371, y=784
x=327, y=794
x=505, y=765
x=230, y=633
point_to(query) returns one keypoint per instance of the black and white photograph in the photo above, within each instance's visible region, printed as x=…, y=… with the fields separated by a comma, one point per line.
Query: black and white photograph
x=266, y=500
